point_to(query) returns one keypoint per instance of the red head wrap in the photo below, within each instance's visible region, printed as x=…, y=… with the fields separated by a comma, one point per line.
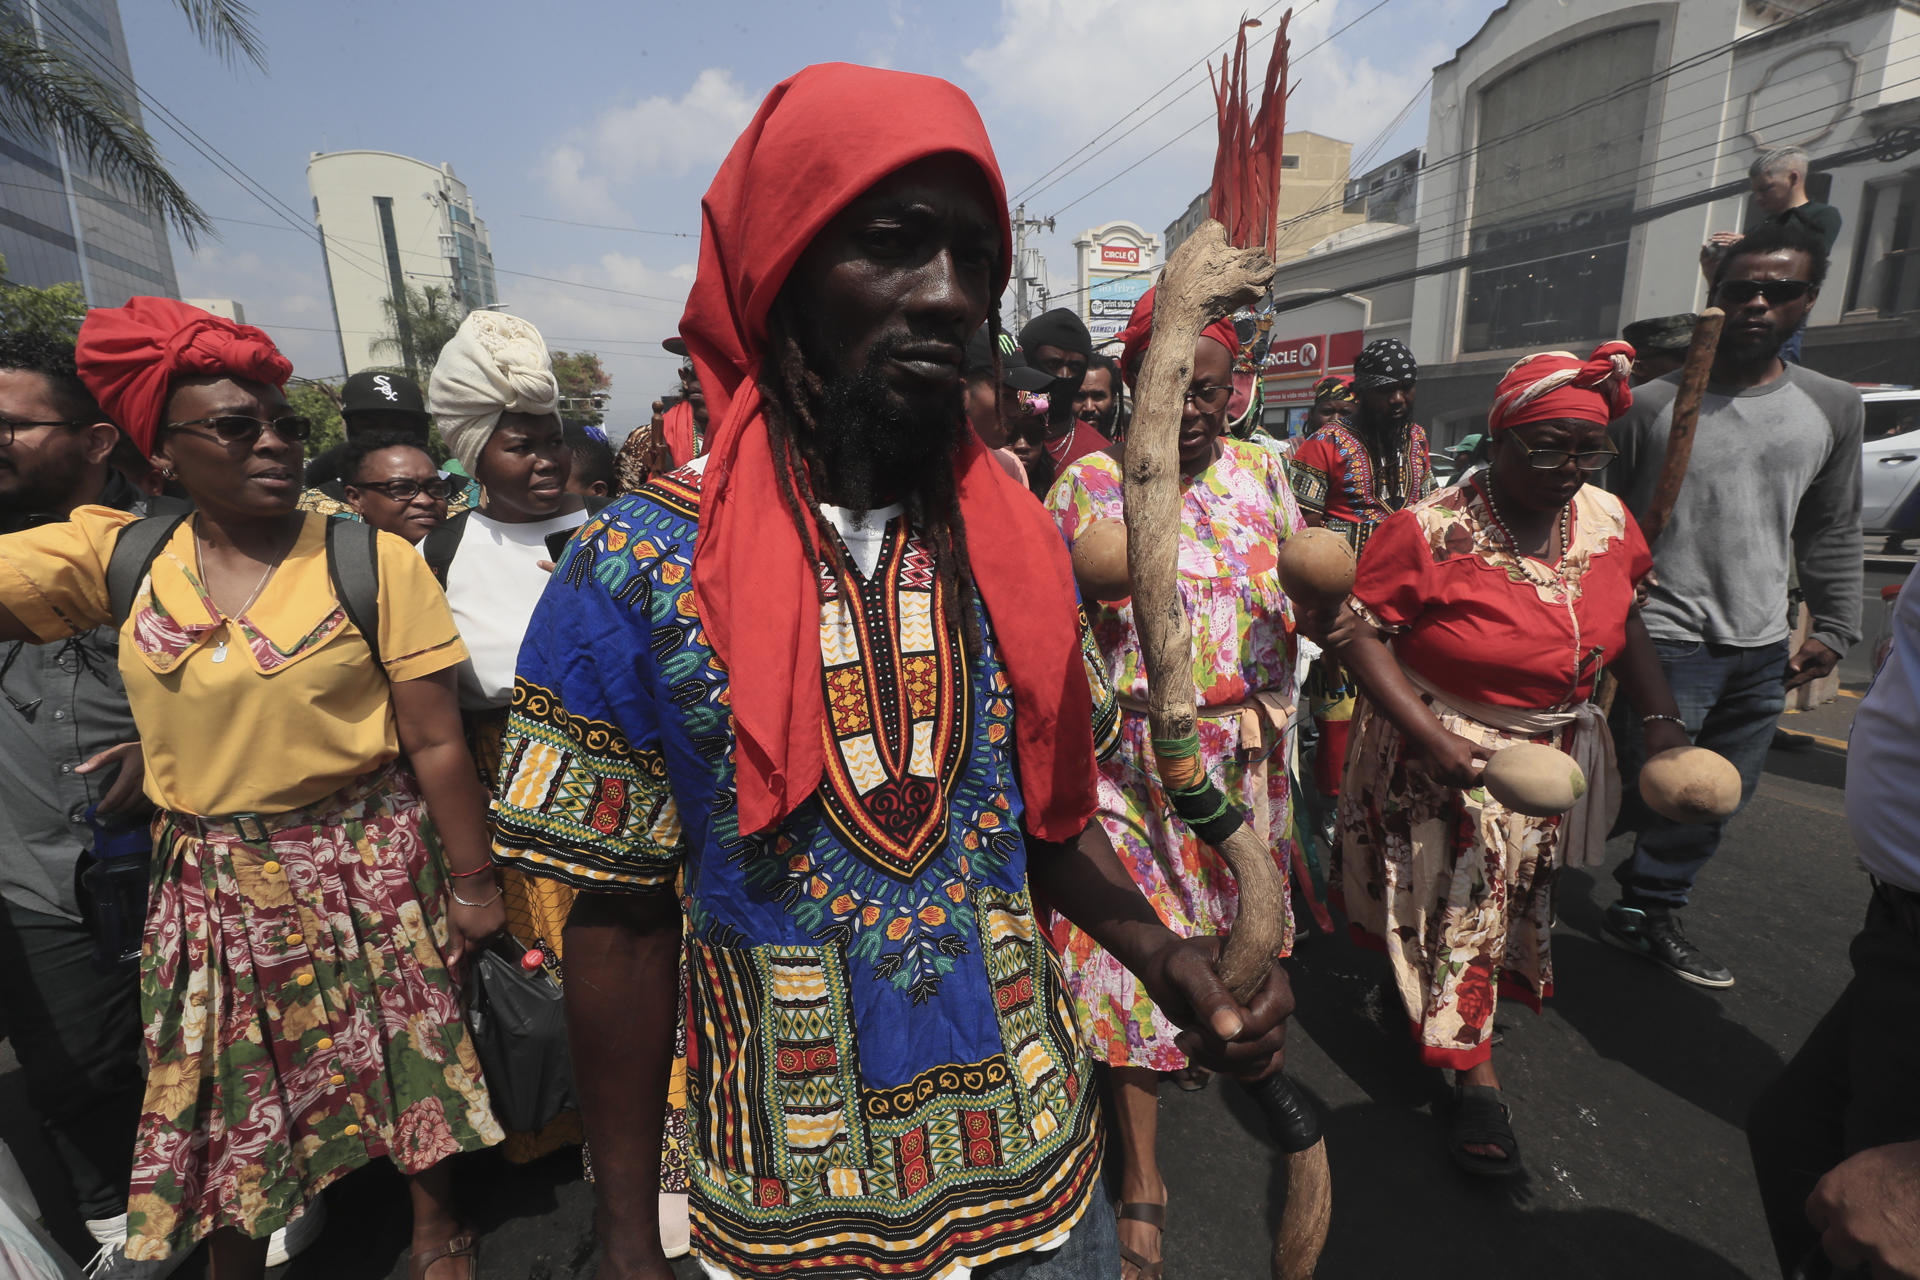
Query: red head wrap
x=1138, y=335
x=1558, y=384
x=821, y=139
x=129, y=356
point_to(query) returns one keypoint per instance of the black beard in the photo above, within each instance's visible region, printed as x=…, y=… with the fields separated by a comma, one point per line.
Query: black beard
x=42, y=494
x=877, y=446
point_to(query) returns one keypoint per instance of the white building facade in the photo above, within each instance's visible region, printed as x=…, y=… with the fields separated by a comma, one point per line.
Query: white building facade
x=1114, y=263
x=1571, y=144
x=389, y=222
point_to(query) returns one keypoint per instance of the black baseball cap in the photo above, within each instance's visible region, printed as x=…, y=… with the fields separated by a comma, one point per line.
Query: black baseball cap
x=371, y=392
x=1015, y=372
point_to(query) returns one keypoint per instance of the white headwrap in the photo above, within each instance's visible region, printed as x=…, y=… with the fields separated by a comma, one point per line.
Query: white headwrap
x=497, y=363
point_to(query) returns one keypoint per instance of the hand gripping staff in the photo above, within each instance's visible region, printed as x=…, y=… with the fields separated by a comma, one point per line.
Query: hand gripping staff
x=1206, y=279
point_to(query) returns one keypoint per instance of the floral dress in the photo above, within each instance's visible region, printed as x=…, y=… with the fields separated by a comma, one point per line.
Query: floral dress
x=1233, y=516
x=1456, y=888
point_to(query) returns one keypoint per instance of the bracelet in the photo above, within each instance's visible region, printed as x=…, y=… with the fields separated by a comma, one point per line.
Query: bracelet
x=1657, y=716
x=497, y=894
x=461, y=875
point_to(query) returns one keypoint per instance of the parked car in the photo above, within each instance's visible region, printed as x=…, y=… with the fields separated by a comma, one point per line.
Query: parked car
x=1890, y=479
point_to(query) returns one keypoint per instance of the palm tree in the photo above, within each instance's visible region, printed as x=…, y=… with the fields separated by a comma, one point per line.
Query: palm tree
x=419, y=323
x=52, y=89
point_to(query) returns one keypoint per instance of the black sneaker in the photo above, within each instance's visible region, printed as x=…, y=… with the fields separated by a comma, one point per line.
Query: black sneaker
x=1656, y=935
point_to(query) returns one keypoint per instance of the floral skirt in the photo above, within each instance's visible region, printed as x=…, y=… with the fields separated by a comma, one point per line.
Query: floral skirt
x=1188, y=884
x=1453, y=885
x=300, y=1017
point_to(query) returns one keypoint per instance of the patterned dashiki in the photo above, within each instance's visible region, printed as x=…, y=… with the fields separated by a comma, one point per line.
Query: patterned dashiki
x=1336, y=479
x=1233, y=516
x=1455, y=887
x=883, y=1067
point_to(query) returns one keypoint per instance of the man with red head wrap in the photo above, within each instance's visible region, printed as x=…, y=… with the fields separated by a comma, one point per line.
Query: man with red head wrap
x=830, y=680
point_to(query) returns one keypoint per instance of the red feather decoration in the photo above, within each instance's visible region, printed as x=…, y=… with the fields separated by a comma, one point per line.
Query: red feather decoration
x=1246, y=164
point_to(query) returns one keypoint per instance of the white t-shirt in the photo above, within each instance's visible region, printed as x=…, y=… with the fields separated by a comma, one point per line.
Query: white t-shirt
x=493, y=584
x=865, y=538
x=1883, y=756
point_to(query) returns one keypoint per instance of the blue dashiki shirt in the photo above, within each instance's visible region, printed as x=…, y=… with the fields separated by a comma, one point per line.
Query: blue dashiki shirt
x=883, y=1071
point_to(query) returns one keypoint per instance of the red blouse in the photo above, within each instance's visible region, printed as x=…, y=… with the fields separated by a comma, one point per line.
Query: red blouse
x=1470, y=617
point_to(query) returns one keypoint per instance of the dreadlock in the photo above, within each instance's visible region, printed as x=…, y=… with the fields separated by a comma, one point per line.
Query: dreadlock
x=791, y=394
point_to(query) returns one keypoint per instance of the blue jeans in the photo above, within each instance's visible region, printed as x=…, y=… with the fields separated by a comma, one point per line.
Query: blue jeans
x=1091, y=1251
x=1731, y=699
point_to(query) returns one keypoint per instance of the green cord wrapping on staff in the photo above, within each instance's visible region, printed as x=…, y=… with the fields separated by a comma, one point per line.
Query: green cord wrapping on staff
x=1200, y=804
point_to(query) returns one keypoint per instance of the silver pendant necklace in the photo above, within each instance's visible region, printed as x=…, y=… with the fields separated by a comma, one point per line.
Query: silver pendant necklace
x=220, y=646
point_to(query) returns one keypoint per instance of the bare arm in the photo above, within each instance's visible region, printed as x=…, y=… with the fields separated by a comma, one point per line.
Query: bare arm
x=1644, y=682
x=1357, y=643
x=623, y=958
x=427, y=711
x=1086, y=883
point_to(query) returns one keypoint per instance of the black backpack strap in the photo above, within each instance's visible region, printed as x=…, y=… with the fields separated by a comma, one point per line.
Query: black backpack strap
x=437, y=548
x=133, y=554
x=353, y=565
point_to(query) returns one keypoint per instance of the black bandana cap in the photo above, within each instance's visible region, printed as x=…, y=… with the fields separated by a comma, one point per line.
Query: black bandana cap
x=1386, y=362
x=1057, y=328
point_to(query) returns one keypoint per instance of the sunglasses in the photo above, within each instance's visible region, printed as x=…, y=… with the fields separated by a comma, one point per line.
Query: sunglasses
x=1209, y=397
x=438, y=489
x=1741, y=292
x=237, y=428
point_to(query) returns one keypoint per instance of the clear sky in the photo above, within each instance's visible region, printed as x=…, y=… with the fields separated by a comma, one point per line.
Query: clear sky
x=617, y=115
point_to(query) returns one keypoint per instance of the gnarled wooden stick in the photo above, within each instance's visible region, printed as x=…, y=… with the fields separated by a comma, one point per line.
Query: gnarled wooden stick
x=1208, y=278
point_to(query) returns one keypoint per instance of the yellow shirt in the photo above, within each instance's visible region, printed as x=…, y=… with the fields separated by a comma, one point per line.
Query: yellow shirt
x=273, y=711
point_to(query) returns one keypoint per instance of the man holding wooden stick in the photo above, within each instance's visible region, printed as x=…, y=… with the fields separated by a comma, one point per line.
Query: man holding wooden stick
x=1774, y=481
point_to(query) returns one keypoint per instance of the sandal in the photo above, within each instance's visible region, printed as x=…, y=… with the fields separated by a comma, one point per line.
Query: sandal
x=1155, y=1216
x=1481, y=1119
x=462, y=1247
x=1192, y=1079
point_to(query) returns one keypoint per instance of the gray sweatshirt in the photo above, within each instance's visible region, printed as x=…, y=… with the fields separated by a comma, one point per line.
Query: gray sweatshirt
x=1775, y=472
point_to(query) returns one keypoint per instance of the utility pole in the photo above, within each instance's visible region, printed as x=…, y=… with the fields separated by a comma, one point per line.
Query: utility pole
x=1024, y=272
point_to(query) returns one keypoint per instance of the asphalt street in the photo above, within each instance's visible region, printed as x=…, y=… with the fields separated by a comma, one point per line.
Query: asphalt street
x=1628, y=1092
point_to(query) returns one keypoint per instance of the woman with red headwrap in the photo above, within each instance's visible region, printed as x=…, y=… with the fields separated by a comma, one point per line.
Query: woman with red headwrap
x=1236, y=508
x=1481, y=617
x=301, y=1019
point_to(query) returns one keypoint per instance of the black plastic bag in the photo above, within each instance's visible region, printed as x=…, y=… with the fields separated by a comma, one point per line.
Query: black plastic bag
x=520, y=1032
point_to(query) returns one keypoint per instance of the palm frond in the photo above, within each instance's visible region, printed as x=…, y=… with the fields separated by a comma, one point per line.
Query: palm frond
x=46, y=94
x=226, y=27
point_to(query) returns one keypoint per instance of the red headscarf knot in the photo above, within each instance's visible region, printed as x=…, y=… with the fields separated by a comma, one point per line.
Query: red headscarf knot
x=822, y=138
x=1138, y=335
x=1559, y=384
x=129, y=356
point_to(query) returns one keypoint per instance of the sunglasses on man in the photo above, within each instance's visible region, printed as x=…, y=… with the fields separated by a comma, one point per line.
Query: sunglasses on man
x=1741, y=292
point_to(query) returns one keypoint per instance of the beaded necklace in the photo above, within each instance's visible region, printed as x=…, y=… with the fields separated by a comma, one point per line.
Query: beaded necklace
x=1554, y=578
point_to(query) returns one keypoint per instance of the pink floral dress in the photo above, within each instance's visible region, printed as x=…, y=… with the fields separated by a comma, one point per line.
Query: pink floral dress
x=1233, y=516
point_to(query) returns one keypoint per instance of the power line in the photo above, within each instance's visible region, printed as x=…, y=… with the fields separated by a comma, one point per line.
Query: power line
x=604, y=226
x=1460, y=156
x=1209, y=119
x=1206, y=60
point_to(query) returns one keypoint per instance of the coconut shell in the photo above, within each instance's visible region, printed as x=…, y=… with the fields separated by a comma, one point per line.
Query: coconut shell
x=1316, y=567
x=1690, y=784
x=1534, y=779
x=1100, y=561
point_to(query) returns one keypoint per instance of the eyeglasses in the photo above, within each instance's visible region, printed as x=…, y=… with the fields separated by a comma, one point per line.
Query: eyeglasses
x=1209, y=397
x=9, y=426
x=1553, y=459
x=237, y=428
x=1741, y=292
x=439, y=488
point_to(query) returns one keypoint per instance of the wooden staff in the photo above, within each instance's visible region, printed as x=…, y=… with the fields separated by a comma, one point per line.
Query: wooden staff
x=1686, y=416
x=1208, y=278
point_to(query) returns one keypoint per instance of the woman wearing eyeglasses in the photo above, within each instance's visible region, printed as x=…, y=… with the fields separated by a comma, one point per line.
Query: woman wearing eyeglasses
x=393, y=484
x=300, y=1017
x=1236, y=507
x=1481, y=617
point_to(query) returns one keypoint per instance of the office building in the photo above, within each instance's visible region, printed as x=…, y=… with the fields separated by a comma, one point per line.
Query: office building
x=59, y=221
x=389, y=223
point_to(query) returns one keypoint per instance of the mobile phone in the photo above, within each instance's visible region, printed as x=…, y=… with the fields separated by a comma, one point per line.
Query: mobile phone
x=557, y=542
